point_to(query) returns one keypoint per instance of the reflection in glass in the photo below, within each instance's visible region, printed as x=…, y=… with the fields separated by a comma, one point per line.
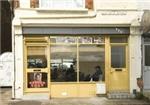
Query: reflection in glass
x=63, y=63
x=91, y=63
x=36, y=57
x=118, y=56
x=37, y=80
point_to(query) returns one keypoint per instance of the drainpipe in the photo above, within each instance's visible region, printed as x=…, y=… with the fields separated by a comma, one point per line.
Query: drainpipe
x=13, y=50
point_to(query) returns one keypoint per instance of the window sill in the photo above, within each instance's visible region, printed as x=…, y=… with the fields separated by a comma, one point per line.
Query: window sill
x=61, y=10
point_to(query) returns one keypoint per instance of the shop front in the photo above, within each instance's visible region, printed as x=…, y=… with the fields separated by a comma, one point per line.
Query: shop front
x=75, y=62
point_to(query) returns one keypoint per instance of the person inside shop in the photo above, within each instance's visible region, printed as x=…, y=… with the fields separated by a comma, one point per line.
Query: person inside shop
x=98, y=74
x=54, y=73
x=37, y=82
x=70, y=74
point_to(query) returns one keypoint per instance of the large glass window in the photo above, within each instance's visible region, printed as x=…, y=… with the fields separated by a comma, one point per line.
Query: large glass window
x=59, y=4
x=36, y=57
x=70, y=60
x=147, y=55
x=91, y=62
x=63, y=63
x=118, y=56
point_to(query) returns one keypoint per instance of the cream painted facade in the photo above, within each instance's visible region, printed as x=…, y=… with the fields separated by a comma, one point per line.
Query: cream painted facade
x=114, y=13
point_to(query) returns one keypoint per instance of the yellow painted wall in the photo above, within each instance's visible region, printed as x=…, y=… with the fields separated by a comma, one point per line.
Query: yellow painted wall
x=63, y=90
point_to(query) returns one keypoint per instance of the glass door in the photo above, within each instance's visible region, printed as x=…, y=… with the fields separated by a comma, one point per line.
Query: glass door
x=37, y=68
x=146, y=71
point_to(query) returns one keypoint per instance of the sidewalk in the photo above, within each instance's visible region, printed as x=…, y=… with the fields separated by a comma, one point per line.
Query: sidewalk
x=5, y=95
x=82, y=101
x=5, y=99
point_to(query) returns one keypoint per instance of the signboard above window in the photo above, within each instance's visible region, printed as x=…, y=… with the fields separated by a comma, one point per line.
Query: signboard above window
x=62, y=4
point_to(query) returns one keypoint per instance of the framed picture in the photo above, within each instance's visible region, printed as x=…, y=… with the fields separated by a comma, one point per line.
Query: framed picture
x=37, y=80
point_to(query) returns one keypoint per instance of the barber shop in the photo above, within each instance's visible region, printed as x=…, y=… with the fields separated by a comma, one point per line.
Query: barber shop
x=79, y=52
x=75, y=62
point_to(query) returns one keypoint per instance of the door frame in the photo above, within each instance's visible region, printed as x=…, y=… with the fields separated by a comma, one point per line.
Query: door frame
x=126, y=69
x=33, y=43
x=143, y=59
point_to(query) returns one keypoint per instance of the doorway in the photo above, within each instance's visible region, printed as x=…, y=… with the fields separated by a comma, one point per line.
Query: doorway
x=146, y=63
x=118, y=72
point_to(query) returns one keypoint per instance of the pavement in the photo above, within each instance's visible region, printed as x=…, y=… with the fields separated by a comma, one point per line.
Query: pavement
x=5, y=96
x=5, y=99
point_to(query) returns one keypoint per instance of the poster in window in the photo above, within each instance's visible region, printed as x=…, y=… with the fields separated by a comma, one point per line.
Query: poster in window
x=37, y=80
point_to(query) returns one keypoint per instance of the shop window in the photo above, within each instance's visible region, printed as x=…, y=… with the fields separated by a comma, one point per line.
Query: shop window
x=118, y=56
x=147, y=55
x=62, y=4
x=37, y=80
x=118, y=40
x=63, y=63
x=70, y=60
x=36, y=57
x=91, y=62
